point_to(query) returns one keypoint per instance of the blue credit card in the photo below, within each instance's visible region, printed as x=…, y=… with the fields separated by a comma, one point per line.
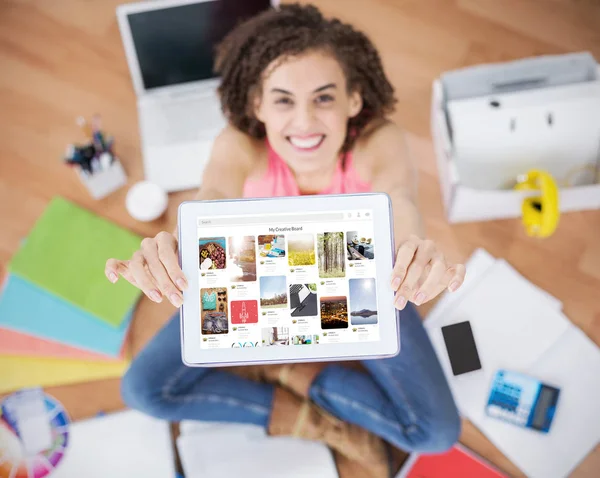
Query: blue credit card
x=522, y=400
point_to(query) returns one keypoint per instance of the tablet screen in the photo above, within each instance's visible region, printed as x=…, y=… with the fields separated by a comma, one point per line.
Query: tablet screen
x=270, y=280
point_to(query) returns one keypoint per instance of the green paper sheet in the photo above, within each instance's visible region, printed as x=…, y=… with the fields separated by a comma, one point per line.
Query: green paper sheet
x=66, y=254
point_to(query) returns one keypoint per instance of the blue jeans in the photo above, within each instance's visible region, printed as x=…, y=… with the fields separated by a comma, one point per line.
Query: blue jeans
x=405, y=399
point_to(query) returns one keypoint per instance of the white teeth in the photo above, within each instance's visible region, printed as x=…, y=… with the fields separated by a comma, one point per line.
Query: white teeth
x=306, y=142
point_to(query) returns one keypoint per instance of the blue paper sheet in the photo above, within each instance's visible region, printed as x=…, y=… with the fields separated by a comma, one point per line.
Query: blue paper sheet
x=27, y=308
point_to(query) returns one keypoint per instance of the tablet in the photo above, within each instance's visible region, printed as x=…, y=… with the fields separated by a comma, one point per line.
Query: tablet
x=292, y=279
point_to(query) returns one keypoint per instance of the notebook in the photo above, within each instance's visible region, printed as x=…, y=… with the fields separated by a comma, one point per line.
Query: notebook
x=19, y=372
x=17, y=343
x=458, y=462
x=66, y=253
x=31, y=310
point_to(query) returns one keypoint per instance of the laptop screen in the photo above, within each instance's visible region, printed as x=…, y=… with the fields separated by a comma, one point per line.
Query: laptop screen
x=177, y=44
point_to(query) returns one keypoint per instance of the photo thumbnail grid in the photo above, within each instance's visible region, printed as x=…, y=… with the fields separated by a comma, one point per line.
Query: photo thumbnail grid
x=294, y=288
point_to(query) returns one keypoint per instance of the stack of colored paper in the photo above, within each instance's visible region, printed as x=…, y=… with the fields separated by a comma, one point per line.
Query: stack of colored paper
x=61, y=320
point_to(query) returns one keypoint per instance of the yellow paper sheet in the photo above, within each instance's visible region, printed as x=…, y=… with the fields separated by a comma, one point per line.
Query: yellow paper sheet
x=18, y=372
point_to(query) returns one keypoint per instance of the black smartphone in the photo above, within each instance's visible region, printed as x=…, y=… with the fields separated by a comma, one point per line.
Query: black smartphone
x=461, y=348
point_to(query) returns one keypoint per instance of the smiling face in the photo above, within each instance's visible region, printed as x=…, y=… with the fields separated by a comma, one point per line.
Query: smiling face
x=305, y=106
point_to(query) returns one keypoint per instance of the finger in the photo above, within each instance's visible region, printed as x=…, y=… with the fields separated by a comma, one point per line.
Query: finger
x=114, y=268
x=126, y=272
x=111, y=270
x=400, y=300
x=403, y=296
x=404, y=257
x=167, y=253
x=143, y=278
x=459, y=277
x=159, y=273
x=429, y=288
x=424, y=254
x=424, y=276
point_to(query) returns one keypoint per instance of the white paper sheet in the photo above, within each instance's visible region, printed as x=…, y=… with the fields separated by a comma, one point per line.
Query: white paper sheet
x=573, y=365
x=223, y=450
x=118, y=445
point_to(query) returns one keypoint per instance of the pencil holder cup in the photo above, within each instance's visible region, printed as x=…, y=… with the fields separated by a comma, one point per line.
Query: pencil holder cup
x=105, y=180
x=95, y=160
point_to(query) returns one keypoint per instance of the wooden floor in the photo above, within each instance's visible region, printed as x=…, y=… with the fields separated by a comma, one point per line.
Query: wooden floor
x=64, y=58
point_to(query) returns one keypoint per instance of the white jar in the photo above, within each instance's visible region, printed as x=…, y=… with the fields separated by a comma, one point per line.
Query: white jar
x=146, y=201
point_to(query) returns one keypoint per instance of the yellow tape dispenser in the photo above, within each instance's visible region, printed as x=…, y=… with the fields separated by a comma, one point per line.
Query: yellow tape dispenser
x=540, y=213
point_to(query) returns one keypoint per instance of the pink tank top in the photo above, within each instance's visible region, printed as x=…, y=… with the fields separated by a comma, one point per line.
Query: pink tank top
x=279, y=180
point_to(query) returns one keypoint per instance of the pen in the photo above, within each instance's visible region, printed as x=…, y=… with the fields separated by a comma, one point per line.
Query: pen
x=82, y=123
x=95, y=162
x=109, y=145
x=105, y=161
x=87, y=154
x=70, y=152
x=97, y=134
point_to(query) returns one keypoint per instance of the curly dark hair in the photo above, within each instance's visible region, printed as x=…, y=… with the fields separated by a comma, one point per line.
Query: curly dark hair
x=291, y=30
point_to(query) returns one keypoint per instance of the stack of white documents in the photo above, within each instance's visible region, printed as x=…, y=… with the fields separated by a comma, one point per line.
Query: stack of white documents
x=521, y=328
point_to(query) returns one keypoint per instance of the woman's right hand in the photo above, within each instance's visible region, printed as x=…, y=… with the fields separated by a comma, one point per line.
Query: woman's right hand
x=154, y=269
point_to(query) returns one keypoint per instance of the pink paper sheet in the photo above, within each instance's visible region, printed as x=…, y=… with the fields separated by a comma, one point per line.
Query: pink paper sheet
x=17, y=343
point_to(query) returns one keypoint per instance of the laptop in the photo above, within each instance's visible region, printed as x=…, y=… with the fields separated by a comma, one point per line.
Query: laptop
x=170, y=46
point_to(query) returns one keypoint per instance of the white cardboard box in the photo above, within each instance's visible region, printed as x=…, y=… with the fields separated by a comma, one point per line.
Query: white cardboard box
x=464, y=204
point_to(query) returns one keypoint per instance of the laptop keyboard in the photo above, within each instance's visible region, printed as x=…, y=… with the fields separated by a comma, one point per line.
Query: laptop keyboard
x=295, y=288
x=181, y=121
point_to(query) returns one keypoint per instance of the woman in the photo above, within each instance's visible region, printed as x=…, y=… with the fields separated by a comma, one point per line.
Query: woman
x=306, y=99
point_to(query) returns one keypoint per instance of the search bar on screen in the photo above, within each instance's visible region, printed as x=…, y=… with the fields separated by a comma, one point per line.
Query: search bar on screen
x=271, y=219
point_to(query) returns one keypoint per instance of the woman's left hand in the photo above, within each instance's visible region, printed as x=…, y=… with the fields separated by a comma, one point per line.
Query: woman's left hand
x=421, y=272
